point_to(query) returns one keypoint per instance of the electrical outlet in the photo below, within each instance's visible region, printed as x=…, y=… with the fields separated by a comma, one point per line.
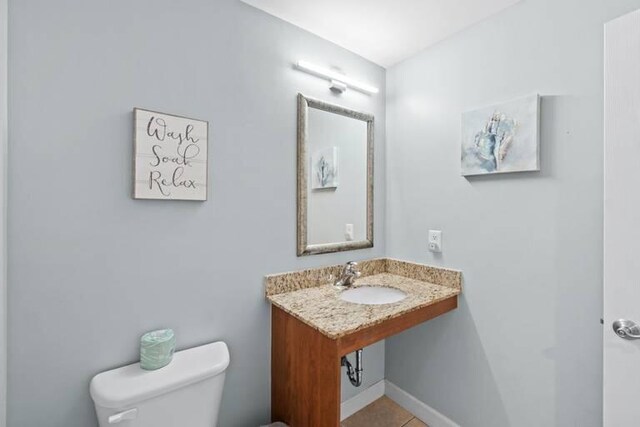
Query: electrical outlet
x=435, y=240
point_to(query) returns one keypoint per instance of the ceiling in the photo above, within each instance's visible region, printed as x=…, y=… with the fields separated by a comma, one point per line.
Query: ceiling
x=383, y=31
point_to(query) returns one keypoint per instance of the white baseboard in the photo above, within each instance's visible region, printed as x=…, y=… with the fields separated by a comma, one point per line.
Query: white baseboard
x=362, y=399
x=421, y=410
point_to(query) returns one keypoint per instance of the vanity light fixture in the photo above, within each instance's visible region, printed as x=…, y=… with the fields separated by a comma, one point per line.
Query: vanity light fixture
x=339, y=82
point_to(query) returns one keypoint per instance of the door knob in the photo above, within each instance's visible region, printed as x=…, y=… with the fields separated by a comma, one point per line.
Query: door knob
x=626, y=329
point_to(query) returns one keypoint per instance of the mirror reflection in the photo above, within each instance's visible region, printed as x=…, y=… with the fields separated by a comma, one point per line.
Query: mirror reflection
x=335, y=174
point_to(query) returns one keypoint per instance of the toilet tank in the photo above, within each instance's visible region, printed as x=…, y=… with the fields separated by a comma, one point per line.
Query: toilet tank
x=187, y=392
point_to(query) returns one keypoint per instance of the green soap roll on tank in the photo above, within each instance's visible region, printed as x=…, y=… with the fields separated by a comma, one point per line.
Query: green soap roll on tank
x=156, y=349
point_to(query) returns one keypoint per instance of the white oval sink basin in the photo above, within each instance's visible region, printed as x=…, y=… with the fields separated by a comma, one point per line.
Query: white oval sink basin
x=374, y=295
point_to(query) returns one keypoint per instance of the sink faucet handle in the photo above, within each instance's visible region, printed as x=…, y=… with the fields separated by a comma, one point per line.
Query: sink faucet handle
x=349, y=273
x=352, y=268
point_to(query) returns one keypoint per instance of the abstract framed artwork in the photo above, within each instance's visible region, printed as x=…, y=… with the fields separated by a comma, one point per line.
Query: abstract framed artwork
x=324, y=168
x=502, y=138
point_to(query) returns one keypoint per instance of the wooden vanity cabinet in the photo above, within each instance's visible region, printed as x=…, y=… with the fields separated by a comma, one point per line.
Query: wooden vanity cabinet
x=305, y=363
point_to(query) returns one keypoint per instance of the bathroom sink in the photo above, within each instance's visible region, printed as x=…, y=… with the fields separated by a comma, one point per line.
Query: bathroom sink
x=374, y=295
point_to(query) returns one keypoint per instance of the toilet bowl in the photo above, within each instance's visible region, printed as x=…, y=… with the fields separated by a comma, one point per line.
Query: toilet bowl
x=187, y=392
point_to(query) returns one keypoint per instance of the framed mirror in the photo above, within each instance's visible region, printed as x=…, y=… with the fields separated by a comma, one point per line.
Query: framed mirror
x=335, y=178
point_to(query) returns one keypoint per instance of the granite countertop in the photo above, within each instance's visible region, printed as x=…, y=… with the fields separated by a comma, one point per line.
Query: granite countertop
x=319, y=304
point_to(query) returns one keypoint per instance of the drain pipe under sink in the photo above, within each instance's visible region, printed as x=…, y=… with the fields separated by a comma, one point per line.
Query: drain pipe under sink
x=355, y=376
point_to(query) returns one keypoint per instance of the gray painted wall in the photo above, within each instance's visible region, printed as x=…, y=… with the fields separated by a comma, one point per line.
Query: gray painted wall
x=524, y=347
x=90, y=269
x=3, y=216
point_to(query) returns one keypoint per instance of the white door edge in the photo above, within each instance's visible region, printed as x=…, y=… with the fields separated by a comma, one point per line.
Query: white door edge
x=621, y=378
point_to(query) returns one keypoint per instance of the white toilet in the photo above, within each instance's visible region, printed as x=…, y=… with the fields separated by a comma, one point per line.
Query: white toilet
x=187, y=392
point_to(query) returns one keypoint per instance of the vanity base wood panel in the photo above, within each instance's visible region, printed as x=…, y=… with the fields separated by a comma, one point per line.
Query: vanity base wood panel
x=372, y=334
x=305, y=364
x=305, y=374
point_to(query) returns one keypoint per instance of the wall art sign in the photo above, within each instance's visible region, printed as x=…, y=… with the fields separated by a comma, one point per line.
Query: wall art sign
x=170, y=156
x=502, y=138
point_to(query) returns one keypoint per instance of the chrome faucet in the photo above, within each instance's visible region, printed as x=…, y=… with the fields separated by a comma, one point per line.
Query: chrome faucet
x=348, y=275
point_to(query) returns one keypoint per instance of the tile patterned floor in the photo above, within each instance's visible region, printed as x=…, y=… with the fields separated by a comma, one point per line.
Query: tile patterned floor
x=384, y=412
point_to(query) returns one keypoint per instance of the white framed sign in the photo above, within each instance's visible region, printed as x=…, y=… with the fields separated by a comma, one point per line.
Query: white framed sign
x=171, y=160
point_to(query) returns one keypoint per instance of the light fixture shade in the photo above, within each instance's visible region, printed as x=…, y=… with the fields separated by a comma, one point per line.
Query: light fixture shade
x=337, y=86
x=336, y=76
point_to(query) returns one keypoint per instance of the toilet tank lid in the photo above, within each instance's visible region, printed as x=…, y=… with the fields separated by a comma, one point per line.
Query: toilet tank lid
x=131, y=384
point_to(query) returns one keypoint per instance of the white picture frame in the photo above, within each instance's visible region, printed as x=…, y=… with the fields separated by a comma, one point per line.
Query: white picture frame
x=170, y=156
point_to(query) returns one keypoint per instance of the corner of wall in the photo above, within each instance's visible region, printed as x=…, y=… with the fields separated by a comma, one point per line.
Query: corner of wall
x=3, y=209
